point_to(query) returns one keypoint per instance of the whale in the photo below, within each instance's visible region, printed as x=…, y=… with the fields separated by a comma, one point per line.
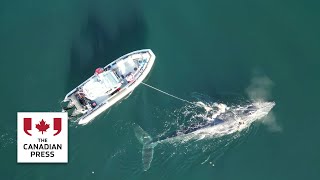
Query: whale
x=220, y=114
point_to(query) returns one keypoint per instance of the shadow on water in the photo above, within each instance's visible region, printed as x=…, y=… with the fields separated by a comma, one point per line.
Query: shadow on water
x=101, y=42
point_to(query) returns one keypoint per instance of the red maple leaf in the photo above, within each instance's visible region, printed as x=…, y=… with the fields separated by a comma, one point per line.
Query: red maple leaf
x=42, y=126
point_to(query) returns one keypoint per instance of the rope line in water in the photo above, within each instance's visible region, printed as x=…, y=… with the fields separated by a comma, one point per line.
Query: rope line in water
x=169, y=94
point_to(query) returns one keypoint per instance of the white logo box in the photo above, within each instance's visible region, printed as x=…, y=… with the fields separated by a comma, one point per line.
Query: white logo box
x=42, y=142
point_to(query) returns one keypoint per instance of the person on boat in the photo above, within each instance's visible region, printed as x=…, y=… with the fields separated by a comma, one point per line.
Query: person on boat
x=81, y=97
x=93, y=103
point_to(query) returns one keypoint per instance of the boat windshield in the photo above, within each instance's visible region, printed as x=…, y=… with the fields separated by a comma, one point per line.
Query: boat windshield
x=100, y=85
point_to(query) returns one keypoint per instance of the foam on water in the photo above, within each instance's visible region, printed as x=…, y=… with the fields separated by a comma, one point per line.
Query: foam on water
x=7, y=137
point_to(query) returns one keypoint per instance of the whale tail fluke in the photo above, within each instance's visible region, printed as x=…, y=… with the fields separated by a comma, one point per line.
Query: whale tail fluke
x=147, y=149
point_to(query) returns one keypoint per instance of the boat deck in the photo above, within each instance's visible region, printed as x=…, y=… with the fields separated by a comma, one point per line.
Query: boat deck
x=106, y=85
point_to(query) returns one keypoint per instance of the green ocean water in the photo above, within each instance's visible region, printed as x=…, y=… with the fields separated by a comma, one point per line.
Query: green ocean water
x=211, y=48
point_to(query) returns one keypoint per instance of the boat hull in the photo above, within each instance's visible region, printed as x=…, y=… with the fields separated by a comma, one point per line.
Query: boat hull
x=124, y=92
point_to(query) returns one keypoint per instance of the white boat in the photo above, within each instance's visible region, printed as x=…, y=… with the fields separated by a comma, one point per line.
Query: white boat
x=108, y=85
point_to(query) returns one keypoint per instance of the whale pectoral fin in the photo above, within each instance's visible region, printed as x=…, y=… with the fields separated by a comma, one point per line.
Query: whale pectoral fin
x=148, y=146
x=142, y=136
x=147, y=156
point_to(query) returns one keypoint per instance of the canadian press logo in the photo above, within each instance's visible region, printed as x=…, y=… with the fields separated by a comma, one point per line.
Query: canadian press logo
x=42, y=137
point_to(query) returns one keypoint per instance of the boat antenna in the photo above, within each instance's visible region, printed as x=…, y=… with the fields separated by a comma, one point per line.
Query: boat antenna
x=199, y=104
